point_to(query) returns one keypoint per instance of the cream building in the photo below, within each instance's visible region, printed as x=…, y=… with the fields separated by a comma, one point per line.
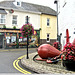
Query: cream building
x=14, y=13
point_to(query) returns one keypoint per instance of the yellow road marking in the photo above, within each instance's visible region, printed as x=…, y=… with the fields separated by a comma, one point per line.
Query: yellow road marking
x=21, y=57
x=16, y=66
x=26, y=72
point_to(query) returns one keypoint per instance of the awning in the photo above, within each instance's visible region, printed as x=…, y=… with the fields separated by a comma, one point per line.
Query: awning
x=2, y=11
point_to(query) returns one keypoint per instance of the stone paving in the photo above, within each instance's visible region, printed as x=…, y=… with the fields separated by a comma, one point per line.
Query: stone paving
x=42, y=67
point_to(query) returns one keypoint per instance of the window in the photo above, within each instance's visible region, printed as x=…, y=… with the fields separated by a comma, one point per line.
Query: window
x=18, y=3
x=48, y=21
x=2, y=19
x=7, y=39
x=13, y=39
x=14, y=20
x=48, y=39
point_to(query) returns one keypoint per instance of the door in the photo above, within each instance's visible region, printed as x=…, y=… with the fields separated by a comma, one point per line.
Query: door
x=1, y=41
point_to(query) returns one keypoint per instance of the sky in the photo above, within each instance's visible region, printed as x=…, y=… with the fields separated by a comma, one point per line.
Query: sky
x=49, y=3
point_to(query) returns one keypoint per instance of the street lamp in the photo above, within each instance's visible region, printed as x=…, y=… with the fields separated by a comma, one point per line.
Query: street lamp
x=56, y=2
x=27, y=38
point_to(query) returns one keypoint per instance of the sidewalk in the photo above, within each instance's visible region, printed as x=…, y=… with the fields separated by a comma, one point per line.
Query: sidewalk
x=42, y=67
x=17, y=49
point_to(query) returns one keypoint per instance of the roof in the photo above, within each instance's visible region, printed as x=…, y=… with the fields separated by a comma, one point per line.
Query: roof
x=28, y=7
x=2, y=11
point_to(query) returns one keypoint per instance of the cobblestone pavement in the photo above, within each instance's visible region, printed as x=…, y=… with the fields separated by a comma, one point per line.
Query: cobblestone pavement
x=42, y=67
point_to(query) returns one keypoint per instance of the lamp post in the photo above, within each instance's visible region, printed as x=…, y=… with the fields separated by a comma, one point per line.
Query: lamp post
x=56, y=2
x=27, y=38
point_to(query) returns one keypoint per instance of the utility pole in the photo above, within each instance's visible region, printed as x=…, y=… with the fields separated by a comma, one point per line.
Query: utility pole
x=56, y=2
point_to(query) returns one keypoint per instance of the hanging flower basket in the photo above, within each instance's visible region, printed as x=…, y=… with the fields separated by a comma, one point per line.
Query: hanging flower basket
x=27, y=30
x=69, y=56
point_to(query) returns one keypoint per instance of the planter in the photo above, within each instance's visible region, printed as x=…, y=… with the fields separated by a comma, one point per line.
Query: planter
x=69, y=64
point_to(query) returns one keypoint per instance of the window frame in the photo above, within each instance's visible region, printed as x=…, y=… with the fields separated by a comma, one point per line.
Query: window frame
x=4, y=19
x=48, y=22
x=14, y=20
x=48, y=37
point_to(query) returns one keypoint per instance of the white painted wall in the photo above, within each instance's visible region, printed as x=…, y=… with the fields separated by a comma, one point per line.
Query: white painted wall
x=34, y=19
x=67, y=19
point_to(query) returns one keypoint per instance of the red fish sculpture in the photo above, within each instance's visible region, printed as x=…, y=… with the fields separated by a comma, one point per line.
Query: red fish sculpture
x=46, y=50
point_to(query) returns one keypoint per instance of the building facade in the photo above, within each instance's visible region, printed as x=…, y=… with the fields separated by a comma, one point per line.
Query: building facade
x=13, y=14
x=66, y=10
x=48, y=33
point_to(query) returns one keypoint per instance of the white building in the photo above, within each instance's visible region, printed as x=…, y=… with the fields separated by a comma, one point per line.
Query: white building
x=15, y=12
x=19, y=14
x=66, y=19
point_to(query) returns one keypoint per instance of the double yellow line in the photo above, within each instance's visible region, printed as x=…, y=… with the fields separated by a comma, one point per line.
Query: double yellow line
x=16, y=66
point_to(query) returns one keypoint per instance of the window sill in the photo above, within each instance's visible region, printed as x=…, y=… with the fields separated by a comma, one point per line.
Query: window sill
x=47, y=41
x=2, y=23
x=48, y=27
x=14, y=25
